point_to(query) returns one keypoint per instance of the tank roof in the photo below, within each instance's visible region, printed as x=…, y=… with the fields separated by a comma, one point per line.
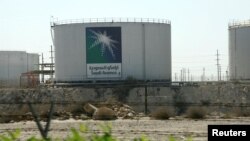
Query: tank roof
x=238, y=24
x=55, y=21
x=16, y=51
x=12, y=51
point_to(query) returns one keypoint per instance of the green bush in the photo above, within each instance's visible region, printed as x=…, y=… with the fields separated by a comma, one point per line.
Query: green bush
x=78, y=135
x=11, y=136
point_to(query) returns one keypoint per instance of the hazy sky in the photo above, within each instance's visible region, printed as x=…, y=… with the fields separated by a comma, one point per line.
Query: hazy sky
x=199, y=27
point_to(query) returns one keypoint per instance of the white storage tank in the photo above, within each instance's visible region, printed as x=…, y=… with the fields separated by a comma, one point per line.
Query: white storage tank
x=112, y=49
x=13, y=64
x=239, y=50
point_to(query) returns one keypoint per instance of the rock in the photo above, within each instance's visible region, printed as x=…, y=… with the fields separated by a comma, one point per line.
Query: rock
x=89, y=108
x=63, y=118
x=83, y=117
x=133, y=112
x=126, y=106
x=122, y=109
x=28, y=116
x=141, y=115
x=104, y=113
x=130, y=114
x=115, y=109
x=245, y=89
x=76, y=117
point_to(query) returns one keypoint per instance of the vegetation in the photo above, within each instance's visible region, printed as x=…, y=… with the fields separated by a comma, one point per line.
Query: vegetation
x=205, y=102
x=179, y=101
x=79, y=135
x=162, y=113
x=196, y=112
x=241, y=112
x=11, y=136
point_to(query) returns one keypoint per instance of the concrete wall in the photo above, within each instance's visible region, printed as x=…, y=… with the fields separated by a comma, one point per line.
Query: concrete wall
x=70, y=99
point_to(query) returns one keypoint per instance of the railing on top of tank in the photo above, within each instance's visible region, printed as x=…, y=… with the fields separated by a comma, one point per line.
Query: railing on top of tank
x=55, y=21
x=239, y=23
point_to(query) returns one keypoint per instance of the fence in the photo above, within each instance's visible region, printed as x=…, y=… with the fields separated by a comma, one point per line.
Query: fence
x=109, y=20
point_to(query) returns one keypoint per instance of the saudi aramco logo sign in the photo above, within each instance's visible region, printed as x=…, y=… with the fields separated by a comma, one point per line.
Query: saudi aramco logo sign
x=103, y=52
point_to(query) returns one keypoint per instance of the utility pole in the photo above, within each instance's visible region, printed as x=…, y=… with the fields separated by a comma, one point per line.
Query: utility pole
x=204, y=77
x=9, y=69
x=212, y=77
x=220, y=71
x=188, y=75
x=184, y=74
x=175, y=76
x=226, y=75
x=146, y=100
x=51, y=67
x=181, y=75
x=42, y=68
x=218, y=65
x=27, y=67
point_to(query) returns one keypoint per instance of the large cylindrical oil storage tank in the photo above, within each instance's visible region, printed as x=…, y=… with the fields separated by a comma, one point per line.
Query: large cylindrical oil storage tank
x=15, y=63
x=112, y=50
x=239, y=50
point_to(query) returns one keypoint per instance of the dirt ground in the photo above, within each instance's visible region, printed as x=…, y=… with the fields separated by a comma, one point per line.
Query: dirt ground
x=156, y=130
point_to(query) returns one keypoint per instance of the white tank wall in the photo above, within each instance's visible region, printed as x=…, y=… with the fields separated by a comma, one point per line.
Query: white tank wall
x=132, y=48
x=70, y=55
x=146, y=50
x=158, y=51
x=239, y=50
x=13, y=64
x=33, y=61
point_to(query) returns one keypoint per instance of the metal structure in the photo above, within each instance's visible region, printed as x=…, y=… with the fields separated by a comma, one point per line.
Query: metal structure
x=15, y=63
x=239, y=49
x=112, y=49
x=46, y=69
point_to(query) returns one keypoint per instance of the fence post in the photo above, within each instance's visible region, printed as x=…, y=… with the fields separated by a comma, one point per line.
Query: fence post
x=43, y=132
x=146, y=100
x=49, y=118
x=34, y=114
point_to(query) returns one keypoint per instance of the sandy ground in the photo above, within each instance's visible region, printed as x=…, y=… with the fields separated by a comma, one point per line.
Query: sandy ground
x=157, y=130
